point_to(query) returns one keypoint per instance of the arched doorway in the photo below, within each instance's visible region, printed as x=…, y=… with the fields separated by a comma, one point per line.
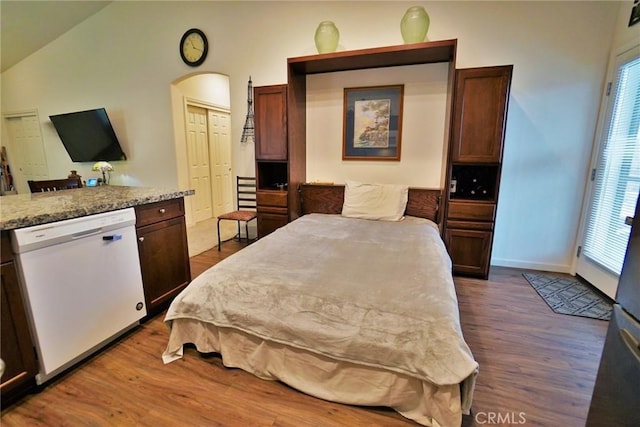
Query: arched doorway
x=202, y=137
x=201, y=117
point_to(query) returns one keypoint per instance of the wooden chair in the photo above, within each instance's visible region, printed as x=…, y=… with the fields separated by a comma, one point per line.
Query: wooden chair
x=246, y=205
x=54, y=185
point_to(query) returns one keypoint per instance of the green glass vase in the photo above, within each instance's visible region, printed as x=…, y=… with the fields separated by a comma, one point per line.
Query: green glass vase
x=326, y=37
x=414, y=25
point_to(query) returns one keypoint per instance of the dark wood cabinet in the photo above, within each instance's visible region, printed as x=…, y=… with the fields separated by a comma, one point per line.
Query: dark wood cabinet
x=17, y=349
x=469, y=235
x=270, y=104
x=272, y=158
x=272, y=210
x=270, y=220
x=474, y=165
x=479, y=114
x=469, y=249
x=163, y=250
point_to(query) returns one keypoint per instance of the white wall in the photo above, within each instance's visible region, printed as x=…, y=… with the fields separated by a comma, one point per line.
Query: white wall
x=423, y=125
x=126, y=57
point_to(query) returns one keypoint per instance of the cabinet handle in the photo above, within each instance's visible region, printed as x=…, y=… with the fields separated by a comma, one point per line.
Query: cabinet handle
x=162, y=210
x=141, y=239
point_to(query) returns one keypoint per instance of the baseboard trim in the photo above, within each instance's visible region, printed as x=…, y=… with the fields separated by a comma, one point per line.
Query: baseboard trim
x=528, y=265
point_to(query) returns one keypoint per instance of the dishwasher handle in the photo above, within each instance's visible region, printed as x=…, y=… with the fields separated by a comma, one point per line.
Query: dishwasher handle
x=86, y=233
x=112, y=237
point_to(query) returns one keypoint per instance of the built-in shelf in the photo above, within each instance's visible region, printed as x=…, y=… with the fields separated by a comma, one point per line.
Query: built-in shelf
x=389, y=56
x=474, y=182
x=272, y=175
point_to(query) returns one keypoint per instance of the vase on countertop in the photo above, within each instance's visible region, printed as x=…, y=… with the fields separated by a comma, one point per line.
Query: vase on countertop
x=414, y=25
x=326, y=37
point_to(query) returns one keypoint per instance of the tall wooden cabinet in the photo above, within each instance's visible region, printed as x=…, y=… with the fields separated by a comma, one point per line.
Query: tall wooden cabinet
x=17, y=350
x=272, y=157
x=474, y=165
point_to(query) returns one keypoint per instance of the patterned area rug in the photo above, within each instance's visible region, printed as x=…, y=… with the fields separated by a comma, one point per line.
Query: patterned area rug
x=569, y=296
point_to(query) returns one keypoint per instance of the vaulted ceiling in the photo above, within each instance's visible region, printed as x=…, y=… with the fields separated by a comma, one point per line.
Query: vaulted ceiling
x=26, y=26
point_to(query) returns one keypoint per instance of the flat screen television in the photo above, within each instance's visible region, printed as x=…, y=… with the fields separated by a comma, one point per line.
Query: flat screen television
x=88, y=136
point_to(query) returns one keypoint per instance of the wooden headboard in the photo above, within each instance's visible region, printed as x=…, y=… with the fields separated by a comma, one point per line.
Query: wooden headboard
x=328, y=199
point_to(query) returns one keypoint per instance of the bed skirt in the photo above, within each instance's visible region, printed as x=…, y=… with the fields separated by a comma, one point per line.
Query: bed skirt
x=337, y=381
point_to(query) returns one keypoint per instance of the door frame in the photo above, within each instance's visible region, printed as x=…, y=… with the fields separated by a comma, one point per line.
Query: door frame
x=14, y=154
x=194, y=102
x=602, y=279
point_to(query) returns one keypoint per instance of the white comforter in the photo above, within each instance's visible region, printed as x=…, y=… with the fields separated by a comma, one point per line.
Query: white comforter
x=372, y=293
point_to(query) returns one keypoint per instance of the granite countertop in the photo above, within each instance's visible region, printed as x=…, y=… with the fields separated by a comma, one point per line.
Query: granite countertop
x=24, y=210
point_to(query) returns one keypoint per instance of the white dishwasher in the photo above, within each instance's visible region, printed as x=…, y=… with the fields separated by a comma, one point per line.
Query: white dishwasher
x=82, y=285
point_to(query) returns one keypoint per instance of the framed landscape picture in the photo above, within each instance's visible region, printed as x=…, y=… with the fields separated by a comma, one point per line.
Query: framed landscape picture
x=372, y=128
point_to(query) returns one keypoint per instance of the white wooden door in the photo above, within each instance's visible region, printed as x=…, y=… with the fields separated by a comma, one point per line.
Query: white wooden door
x=29, y=161
x=198, y=157
x=220, y=143
x=615, y=178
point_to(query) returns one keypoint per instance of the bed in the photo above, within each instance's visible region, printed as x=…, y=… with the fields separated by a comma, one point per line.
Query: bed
x=350, y=310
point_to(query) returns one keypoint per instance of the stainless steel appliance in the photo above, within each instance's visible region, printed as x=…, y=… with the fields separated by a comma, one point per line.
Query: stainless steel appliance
x=82, y=285
x=616, y=395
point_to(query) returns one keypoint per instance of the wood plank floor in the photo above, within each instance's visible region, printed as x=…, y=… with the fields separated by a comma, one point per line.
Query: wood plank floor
x=536, y=367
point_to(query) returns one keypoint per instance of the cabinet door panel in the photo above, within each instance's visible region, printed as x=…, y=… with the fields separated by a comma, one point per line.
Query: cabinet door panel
x=269, y=222
x=270, y=103
x=470, y=251
x=164, y=260
x=479, y=114
x=17, y=350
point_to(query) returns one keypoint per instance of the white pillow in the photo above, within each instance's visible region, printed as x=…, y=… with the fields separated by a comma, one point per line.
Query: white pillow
x=385, y=202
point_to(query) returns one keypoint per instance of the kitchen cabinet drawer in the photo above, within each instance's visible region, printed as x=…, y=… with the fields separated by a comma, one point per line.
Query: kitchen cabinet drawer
x=471, y=211
x=159, y=211
x=272, y=198
x=470, y=225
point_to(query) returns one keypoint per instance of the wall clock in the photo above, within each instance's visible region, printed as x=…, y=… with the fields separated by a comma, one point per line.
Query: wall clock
x=194, y=47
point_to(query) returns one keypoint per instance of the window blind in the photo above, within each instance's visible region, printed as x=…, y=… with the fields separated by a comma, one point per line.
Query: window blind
x=617, y=179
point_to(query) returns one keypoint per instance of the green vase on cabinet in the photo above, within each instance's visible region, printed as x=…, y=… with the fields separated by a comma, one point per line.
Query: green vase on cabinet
x=326, y=37
x=414, y=25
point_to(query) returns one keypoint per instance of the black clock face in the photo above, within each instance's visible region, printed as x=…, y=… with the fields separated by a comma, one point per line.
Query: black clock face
x=194, y=47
